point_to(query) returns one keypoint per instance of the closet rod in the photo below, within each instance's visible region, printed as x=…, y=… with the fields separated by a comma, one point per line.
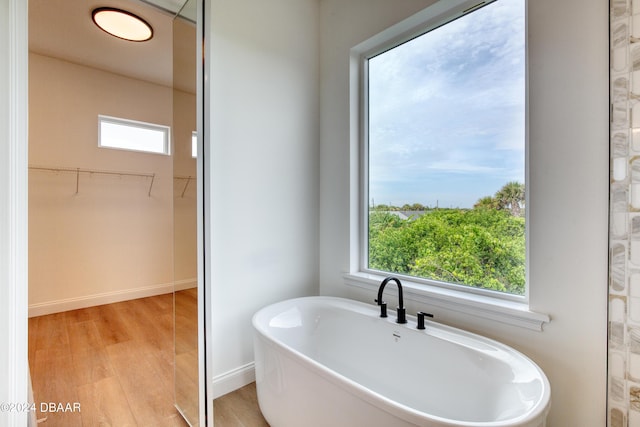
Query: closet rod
x=78, y=171
x=188, y=178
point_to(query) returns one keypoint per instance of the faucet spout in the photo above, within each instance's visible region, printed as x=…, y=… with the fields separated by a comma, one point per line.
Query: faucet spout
x=402, y=316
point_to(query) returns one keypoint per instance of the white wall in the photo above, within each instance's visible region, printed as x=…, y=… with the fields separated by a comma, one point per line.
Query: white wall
x=110, y=241
x=264, y=167
x=568, y=111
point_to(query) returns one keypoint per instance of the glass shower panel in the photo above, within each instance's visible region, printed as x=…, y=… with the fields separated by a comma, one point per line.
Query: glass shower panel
x=185, y=215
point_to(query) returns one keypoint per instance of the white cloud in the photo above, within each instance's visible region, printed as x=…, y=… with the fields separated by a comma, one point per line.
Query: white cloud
x=451, y=102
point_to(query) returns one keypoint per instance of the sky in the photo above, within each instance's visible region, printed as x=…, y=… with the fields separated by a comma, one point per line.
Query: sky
x=447, y=111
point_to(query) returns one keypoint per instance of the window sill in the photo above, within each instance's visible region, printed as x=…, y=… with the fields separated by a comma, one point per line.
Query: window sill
x=509, y=312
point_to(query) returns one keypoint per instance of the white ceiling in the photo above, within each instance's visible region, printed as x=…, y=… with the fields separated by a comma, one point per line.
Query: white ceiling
x=64, y=29
x=188, y=9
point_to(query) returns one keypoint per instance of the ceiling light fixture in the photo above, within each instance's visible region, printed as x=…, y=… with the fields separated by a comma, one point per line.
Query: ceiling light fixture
x=122, y=24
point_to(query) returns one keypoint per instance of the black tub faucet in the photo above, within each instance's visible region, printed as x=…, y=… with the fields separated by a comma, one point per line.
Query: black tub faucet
x=402, y=313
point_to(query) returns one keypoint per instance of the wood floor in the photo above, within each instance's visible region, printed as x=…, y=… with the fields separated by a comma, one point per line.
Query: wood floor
x=116, y=362
x=186, y=353
x=238, y=409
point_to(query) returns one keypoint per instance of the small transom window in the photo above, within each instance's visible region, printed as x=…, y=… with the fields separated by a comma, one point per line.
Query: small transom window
x=133, y=135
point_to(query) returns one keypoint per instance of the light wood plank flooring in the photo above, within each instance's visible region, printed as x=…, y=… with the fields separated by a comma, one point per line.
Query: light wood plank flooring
x=116, y=360
x=186, y=360
x=238, y=409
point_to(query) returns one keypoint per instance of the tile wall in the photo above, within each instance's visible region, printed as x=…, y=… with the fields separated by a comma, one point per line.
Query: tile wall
x=624, y=228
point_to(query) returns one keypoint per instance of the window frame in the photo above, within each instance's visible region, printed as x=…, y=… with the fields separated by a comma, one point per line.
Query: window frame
x=166, y=130
x=510, y=308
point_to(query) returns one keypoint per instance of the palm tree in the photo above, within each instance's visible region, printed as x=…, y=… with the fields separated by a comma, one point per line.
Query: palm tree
x=511, y=197
x=486, y=202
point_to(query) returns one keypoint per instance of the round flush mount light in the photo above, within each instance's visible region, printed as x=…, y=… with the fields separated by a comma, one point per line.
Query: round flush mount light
x=122, y=24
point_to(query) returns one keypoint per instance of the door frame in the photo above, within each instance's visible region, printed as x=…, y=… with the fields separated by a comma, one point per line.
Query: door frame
x=14, y=80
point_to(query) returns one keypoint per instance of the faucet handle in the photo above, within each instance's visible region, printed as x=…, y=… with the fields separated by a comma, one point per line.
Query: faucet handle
x=383, y=308
x=421, y=315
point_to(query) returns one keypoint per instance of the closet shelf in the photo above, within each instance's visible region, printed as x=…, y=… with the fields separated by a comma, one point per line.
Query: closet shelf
x=78, y=171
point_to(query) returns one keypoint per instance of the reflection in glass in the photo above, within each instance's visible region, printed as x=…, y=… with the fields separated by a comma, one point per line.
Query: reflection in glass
x=185, y=216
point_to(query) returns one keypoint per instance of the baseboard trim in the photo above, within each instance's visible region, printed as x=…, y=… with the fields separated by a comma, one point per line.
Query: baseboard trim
x=181, y=285
x=233, y=379
x=50, y=307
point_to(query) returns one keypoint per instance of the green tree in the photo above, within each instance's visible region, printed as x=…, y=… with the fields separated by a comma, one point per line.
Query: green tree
x=486, y=202
x=477, y=247
x=389, y=249
x=511, y=197
x=413, y=207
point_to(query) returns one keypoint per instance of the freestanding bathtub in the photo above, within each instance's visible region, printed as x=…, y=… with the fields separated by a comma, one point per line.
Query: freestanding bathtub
x=324, y=361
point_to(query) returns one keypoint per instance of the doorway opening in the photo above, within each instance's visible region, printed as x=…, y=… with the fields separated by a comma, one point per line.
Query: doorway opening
x=101, y=239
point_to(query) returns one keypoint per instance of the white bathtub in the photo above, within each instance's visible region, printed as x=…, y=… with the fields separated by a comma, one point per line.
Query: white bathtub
x=323, y=361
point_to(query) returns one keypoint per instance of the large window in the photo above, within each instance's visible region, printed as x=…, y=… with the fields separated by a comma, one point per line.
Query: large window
x=445, y=153
x=133, y=135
